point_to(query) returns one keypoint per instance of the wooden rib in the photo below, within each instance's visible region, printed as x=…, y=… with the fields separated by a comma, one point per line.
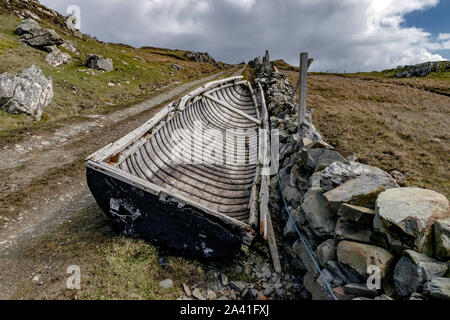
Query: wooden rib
x=237, y=111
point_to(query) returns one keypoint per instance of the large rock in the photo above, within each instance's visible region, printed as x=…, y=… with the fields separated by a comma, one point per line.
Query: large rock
x=360, y=256
x=321, y=219
x=362, y=191
x=95, y=61
x=31, y=33
x=442, y=239
x=438, y=288
x=414, y=270
x=340, y=172
x=29, y=92
x=407, y=215
x=57, y=58
x=27, y=26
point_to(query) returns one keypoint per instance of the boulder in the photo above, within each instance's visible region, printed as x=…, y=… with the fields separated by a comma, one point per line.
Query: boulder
x=326, y=252
x=31, y=33
x=407, y=216
x=442, y=239
x=321, y=219
x=29, y=92
x=340, y=172
x=57, y=58
x=348, y=230
x=27, y=26
x=414, y=270
x=362, y=191
x=98, y=62
x=357, y=214
x=360, y=256
x=438, y=288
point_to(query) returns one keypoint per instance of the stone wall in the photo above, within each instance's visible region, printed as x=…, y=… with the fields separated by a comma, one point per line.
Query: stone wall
x=361, y=227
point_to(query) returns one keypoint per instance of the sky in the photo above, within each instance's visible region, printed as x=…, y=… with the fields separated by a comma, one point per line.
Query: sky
x=341, y=35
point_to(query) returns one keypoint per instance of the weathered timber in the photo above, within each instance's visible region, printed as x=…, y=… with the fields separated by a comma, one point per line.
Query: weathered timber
x=310, y=62
x=303, y=88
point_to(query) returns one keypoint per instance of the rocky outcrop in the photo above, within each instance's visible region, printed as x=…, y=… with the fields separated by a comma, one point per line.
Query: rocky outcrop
x=355, y=219
x=204, y=57
x=29, y=92
x=31, y=33
x=422, y=70
x=97, y=62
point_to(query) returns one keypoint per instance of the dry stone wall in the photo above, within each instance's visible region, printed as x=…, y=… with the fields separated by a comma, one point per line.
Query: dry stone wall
x=370, y=238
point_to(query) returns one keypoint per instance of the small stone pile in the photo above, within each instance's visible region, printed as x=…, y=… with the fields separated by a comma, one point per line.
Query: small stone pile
x=359, y=224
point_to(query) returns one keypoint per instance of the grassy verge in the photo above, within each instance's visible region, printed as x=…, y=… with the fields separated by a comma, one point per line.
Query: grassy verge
x=391, y=126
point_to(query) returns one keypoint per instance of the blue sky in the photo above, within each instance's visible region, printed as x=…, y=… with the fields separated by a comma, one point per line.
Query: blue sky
x=341, y=35
x=434, y=20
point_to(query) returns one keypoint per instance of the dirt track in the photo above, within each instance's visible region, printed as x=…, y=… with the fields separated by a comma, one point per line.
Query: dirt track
x=43, y=188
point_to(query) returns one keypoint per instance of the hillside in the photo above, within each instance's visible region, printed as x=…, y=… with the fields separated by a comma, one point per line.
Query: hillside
x=138, y=73
x=394, y=124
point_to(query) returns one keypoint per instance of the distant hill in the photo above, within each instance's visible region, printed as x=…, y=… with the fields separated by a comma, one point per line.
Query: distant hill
x=79, y=91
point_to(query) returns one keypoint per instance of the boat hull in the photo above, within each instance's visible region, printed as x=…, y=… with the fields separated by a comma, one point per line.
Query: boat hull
x=183, y=230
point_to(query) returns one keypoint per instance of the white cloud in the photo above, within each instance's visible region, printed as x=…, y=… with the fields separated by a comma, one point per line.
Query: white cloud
x=340, y=35
x=444, y=36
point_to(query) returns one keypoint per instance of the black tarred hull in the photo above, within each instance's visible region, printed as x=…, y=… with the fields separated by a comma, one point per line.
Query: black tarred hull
x=185, y=231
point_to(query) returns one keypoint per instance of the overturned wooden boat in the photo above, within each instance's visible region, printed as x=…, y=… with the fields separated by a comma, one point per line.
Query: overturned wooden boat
x=199, y=205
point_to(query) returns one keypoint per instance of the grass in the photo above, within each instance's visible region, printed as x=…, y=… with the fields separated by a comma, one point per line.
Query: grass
x=386, y=123
x=79, y=91
x=112, y=267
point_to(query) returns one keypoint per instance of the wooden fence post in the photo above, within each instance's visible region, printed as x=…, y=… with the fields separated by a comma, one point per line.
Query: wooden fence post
x=303, y=88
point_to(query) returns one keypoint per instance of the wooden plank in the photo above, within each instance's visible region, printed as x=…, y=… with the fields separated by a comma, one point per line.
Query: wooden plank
x=303, y=88
x=253, y=219
x=237, y=111
x=264, y=207
x=273, y=245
